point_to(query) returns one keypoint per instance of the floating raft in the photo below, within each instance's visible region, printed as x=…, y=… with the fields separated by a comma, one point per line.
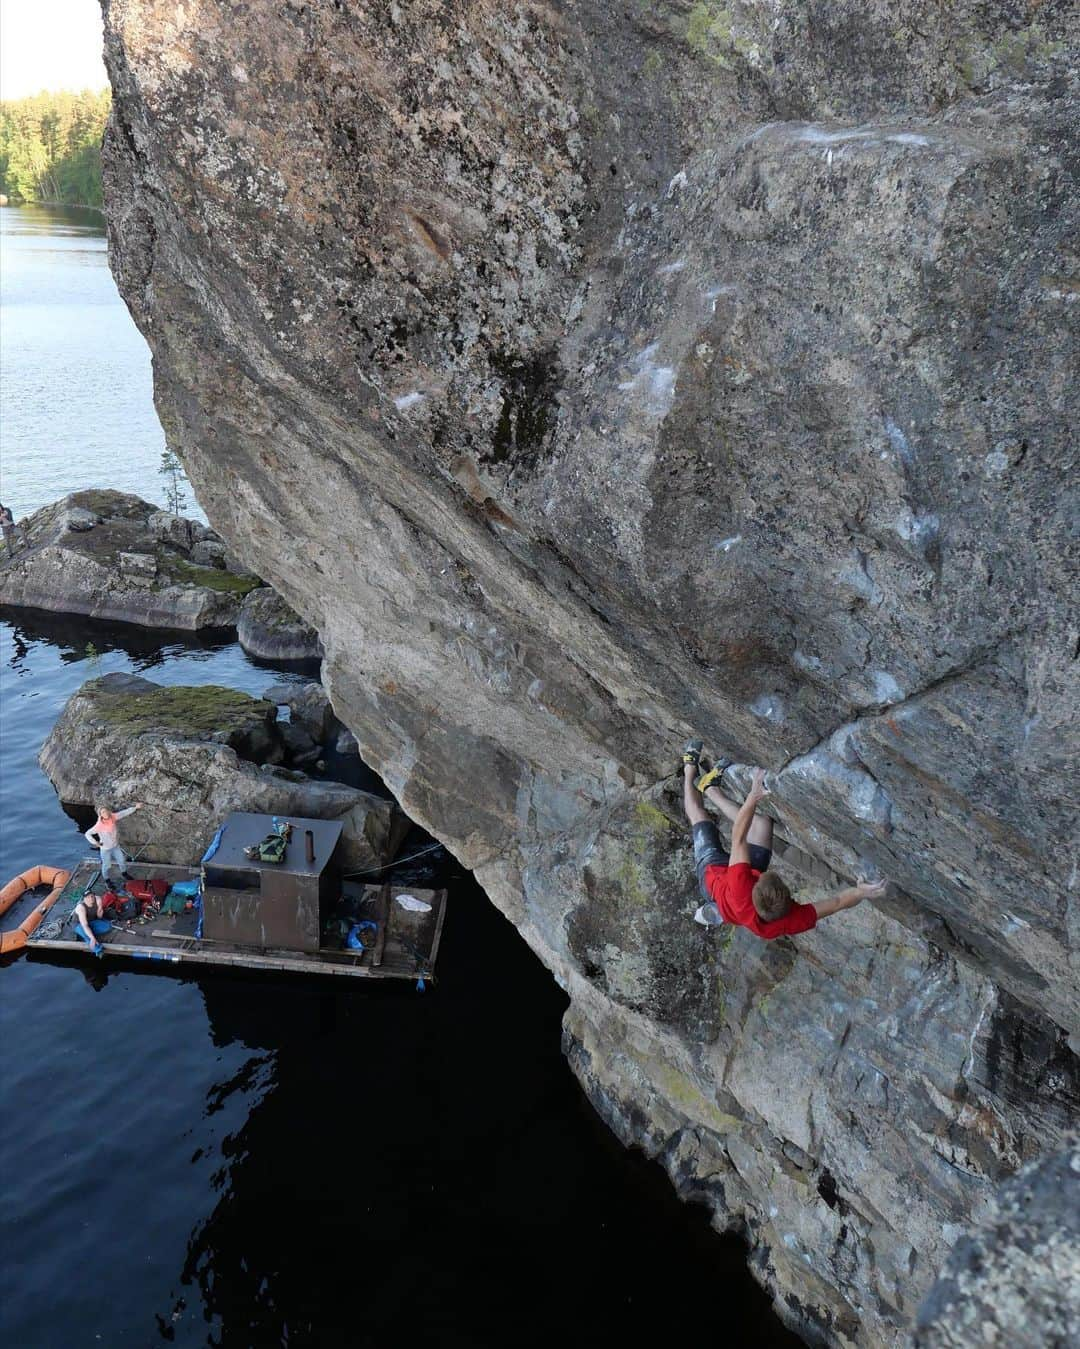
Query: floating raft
x=404, y=945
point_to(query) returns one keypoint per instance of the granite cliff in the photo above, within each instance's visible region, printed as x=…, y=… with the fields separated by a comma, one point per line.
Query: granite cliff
x=594, y=373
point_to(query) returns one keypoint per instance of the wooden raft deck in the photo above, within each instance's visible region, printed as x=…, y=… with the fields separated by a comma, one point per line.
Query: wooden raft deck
x=406, y=945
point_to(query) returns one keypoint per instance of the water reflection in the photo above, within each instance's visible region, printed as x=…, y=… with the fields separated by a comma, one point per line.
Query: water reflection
x=33, y=219
x=88, y=639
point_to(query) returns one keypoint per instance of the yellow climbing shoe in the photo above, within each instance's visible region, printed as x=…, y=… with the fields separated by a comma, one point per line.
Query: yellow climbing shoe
x=711, y=775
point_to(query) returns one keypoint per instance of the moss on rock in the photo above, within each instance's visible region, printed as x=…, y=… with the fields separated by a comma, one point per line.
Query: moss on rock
x=213, y=578
x=206, y=709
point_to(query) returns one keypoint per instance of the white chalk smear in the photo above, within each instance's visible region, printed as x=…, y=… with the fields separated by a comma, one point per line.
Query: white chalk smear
x=679, y=181
x=899, y=441
x=656, y=382
x=886, y=689
x=769, y=706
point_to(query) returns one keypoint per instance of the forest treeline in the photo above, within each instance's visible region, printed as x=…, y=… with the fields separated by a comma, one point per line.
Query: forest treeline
x=50, y=147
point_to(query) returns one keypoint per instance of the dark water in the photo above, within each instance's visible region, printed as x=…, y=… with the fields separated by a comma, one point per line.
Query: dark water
x=243, y=1161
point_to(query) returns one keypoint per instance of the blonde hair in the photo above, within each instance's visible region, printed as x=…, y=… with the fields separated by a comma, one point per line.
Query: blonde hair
x=102, y=811
x=772, y=899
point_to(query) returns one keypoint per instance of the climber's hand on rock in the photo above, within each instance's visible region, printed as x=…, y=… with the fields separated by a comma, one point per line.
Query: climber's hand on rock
x=871, y=889
x=758, y=788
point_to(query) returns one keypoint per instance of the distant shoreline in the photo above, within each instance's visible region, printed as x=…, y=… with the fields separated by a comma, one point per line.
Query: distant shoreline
x=75, y=205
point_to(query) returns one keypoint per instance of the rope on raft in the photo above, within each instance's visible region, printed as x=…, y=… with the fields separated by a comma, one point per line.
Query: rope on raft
x=399, y=862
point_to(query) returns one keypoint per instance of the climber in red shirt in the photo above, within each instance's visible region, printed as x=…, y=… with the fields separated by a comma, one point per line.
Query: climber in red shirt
x=735, y=886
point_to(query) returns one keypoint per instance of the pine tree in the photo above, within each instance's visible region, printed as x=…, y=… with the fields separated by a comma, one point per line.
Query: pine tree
x=172, y=470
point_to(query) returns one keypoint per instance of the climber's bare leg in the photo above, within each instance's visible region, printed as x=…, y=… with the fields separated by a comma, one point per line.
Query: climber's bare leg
x=693, y=802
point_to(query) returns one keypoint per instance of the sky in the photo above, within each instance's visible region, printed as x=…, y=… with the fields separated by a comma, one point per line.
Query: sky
x=50, y=44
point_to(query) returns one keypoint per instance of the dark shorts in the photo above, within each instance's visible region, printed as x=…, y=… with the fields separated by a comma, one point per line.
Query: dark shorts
x=709, y=852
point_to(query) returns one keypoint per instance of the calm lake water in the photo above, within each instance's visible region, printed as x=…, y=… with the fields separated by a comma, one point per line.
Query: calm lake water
x=248, y=1161
x=75, y=383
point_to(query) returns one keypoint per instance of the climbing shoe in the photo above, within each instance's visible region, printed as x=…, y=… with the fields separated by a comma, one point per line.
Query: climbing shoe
x=708, y=915
x=692, y=752
x=712, y=775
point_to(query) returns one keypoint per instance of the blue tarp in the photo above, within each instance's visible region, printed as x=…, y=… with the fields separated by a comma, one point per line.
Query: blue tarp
x=214, y=845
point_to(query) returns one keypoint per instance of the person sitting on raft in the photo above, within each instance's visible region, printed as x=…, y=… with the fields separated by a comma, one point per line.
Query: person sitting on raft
x=90, y=914
x=103, y=834
x=735, y=885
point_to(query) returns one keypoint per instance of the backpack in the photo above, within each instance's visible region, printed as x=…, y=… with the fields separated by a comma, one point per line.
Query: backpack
x=110, y=902
x=272, y=848
x=124, y=908
x=148, y=891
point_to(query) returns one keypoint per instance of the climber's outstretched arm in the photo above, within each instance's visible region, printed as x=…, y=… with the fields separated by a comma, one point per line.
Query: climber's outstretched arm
x=740, y=851
x=847, y=899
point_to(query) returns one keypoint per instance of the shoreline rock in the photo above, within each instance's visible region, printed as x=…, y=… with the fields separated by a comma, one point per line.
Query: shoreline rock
x=114, y=556
x=269, y=630
x=193, y=754
x=309, y=708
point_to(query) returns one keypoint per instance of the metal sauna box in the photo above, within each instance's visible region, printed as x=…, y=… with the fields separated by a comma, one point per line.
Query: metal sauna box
x=279, y=906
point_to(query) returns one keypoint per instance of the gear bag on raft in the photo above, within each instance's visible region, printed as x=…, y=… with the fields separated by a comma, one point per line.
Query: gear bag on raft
x=273, y=846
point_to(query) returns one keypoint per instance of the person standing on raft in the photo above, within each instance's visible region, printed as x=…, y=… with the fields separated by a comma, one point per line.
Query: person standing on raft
x=103, y=834
x=735, y=885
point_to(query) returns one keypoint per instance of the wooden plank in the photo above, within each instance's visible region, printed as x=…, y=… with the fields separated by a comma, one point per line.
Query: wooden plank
x=230, y=959
x=434, y=952
x=382, y=911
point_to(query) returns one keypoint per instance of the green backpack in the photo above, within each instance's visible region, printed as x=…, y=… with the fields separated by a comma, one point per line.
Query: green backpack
x=272, y=848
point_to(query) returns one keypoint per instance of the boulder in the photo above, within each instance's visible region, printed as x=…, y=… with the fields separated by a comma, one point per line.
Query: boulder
x=112, y=555
x=268, y=628
x=78, y=521
x=299, y=745
x=208, y=553
x=656, y=370
x=309, y=707
x=192, y=754
x=142, y=566
x=346, y=742
x=171, y=529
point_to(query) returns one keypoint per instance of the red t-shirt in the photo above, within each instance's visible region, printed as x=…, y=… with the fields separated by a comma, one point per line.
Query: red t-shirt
x=732, y=889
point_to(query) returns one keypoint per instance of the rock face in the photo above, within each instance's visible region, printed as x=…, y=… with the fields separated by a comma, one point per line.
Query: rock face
x=114, y=556
x=192, y=755
x=594, y=374
x=268, y=628
x=1015, y=1281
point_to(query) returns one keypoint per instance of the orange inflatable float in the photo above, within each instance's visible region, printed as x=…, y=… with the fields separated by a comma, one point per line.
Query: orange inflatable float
x=15, y=940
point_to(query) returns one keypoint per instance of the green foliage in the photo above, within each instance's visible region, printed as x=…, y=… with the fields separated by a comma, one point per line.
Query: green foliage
x=172, y=470
x=50, y=147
